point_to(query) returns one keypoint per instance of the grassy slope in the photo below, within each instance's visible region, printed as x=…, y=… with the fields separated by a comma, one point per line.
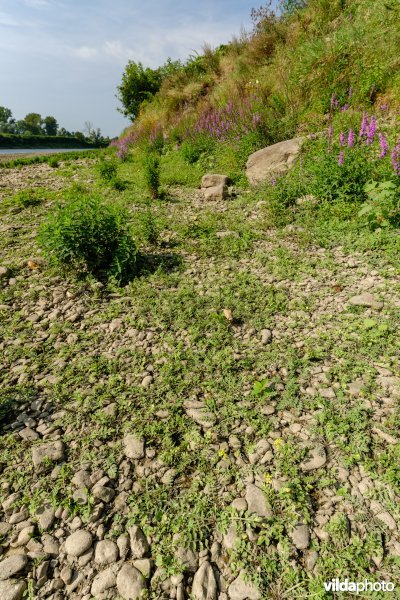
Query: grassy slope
x=96, y=349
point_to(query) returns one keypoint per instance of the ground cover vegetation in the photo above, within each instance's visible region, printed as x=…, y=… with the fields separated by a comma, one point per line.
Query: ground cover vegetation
x=201, y=399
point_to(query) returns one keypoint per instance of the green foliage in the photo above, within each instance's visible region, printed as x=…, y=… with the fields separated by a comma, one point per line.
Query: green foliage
x=28, y=197
x=146, y=227
x=107, y=169
x=193, y=150
x=138, y=84
x=152, y=173
x=89, y=236
x=382, y=208
x=53, y=162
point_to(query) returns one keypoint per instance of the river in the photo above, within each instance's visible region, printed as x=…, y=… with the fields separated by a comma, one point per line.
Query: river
x=39, y=150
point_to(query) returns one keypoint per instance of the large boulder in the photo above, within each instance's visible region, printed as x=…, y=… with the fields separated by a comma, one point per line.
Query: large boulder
x=273, y=160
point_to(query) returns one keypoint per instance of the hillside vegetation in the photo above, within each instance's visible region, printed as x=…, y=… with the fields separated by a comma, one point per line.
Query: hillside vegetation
x=200, y=399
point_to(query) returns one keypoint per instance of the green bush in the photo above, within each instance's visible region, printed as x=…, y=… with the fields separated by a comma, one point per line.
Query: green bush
x=192, y=150
x=146, y=227
x=152, y=174
x=382, y=208
x=28, y=197
x=107, y=170
x=89, y=236
x=53, y=162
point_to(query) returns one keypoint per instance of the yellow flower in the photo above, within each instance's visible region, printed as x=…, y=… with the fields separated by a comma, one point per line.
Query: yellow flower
x=222, y=453
x=268, y=478
x=278, y=443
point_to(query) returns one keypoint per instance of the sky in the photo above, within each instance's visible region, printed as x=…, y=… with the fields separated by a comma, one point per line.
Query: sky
x=65, y=58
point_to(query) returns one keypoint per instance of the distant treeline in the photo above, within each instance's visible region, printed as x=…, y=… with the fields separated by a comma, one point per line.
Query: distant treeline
x=8, y=140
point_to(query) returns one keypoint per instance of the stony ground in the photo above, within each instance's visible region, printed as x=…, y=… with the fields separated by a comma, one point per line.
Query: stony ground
x=226, y=426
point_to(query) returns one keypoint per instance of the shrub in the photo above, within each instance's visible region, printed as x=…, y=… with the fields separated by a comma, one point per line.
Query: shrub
x=193, y=149
x=146, y=227
x=152, y=173
x=382, y=208
x=53, y=162
x=107, y=170
x=89, y=236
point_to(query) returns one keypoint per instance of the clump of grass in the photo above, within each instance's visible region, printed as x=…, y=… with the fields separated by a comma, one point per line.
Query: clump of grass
x=86, y=235
x=152, y=174
x=107, y=170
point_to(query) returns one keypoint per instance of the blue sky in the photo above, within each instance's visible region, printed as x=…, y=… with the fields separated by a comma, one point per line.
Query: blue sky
x=66, y=57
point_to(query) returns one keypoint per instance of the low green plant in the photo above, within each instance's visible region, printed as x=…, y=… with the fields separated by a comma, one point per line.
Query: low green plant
x=146, y=227
x=382, y=207
x=107, y=169
x=89, y=236
x=28, y=197
x=152, y=174
x=53, y=162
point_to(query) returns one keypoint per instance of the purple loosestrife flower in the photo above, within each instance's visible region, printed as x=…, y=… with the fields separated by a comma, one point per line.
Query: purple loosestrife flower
x=371, y=130
x=341, y=158
x=330, y=133
x=383, y=144
x=273, y=181
x=345, y=107
x=342, y=138
x=364, y=125
x=396, y=159
x=351, y=138
x=334, y=102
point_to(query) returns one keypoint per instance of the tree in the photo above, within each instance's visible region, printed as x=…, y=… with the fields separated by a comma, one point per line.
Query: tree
x=33, y=123
x=6, y=120
x=50, y=125
x=138, y=84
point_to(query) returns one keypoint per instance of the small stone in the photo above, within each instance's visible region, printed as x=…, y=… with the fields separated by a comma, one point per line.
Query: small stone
x=316, y=460
x=147, y=381
x=144, y=566
x=123, y=545
x=188, y=558
x=239, y=504
x=204, y=583
x=12, y=565
x=104, y=493
x=266, y=336
x=202, y=416
x=3, y=272
x=301, y=536
x=47, y=452
x=12, y=590
x=103, y=581
x=46, y=516
x=134, y=446
x=257, y=502
x=24, y=536
x=28, y=434
x=66, y=575
x=367, y=300
x=387, y=519
x=78, y=543
x=241, y=589
x=355, y=388
x=130, y=583
x=311, y=558
x=106, y=552
x=231, y=538
x=139, y=544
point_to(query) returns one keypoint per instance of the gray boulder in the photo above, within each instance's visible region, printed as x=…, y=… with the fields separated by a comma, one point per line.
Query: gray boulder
x=273, y=160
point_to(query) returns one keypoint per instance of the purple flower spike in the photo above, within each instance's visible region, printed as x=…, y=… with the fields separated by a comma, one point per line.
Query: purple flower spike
x=371, y=130
x=396, y=159
x=384, y=145
x=364, y=125
x=330, y=133
x=341, y=158
x=345, y=107
x=342, y=138
x=351, y=138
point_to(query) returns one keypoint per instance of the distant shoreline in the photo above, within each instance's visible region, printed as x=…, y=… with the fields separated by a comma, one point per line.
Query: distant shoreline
x=13, y=153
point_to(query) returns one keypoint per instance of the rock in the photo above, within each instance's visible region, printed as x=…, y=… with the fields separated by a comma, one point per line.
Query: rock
x=106, y=552
x=231, y=538
x=266, y=336
x=81, y=479
x=204, y=583
x=144, y=566
x=78, y=543
x=218, y=192
x=273, y=160
x=311, y=558
x=123, y=545
x=12, y=565
x=134, y=446
x=104, y=493
x=211, y=180
x=366, y=299
x=188, y=558
x=201, y=416
x=3, y=272
x=301, y=536
x=47, y=452
x=28, y=434
x=224, y=234
x=256, y=501
x=46, y=516
x=103, y=581
x=355, y=388
x=316, y=459
x=139, y=544
x=240, y=589
x=24, y=536
x=130, y=583
x=12, y=590
x=147, y=381
x=387, y=519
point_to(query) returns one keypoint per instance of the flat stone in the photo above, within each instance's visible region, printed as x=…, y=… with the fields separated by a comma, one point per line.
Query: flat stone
x=301, y=536
x=316, y=459
x=387, y=519
x=367, y=300
x=130, y=583
x=46, y=516
x=213, y=179
x=273, y=160
x=12, y=565
x=133, y=446
x=241, y=589
x=12, y=590
x=106, y=552
x=103, y=581
x=201, y=416
x=139, y=544
x=78, y=543
x=215, y=193
x=257, y=502
x=144, y=566
x=52, y=452
x=188, y=558
x=204, y=583
x=147, y=381
x=28, y=434
x=231, y=538
x=266, y=336
x=104, y=493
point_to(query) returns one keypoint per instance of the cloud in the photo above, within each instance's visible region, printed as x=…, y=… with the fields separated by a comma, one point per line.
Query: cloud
x=7, y=21
x=37, y=3
x=117, y=50
x=85, y=52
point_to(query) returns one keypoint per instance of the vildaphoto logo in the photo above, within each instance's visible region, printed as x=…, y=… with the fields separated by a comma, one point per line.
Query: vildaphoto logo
x=336, y=585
